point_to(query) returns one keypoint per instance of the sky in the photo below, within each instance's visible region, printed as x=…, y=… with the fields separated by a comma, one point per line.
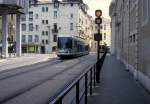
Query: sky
x=98, y=4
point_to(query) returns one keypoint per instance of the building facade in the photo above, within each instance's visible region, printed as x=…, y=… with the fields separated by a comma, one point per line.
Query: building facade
x=9, y=22
x=106, y=32
x=11, y=33
x=45, y=21
x=130, y=32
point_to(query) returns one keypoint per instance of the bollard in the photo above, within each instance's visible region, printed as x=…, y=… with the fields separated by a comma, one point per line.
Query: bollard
x=59, y=101
x=77, y=93
x=91, y=81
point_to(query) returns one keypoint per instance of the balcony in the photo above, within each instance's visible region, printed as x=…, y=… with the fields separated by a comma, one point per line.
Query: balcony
x=54, y=30
x=12, y=6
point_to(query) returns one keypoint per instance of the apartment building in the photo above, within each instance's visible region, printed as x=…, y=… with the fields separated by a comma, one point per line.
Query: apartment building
x=45, y=21
x=106, y=32
x=130, y=32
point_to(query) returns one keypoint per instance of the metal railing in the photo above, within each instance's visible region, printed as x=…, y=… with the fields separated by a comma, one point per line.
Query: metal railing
x=89, y=82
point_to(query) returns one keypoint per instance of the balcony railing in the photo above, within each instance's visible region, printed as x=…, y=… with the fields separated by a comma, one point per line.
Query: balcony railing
x=54, y=30
x=90, y=77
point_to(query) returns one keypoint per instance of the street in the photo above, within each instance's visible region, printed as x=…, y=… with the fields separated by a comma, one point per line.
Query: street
x=74, y=52
x=38, y=83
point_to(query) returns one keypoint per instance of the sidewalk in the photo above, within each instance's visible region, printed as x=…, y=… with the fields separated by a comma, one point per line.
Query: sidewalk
x=26, y=59
x=118, y=86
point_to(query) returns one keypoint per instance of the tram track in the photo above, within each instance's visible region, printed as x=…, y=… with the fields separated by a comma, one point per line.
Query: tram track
x=18, y=68
x=21, y=61
x=37, y=83
x=3, y=75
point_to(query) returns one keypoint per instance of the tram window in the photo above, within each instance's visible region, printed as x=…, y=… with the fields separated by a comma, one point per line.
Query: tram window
x=64, y=42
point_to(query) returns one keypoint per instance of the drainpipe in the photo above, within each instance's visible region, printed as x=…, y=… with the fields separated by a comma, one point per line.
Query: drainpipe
x=128, y=38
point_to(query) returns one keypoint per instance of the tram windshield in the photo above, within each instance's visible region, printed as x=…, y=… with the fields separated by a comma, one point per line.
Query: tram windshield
x=64, y=43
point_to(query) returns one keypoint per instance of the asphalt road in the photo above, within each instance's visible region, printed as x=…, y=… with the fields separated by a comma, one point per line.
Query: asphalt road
x=38, y=83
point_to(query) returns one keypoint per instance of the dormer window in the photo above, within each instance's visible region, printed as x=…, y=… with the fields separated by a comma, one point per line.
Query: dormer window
x=56, y=4
x=71, y=4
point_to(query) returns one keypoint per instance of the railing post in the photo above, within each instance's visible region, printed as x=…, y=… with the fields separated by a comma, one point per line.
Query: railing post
x=77, y=93
x=91, y=81
x=86, y=87
x=59, y=101
x=94, y=75
x=98, y=71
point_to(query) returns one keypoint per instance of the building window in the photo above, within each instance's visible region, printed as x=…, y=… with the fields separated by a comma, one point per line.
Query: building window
x=104, y=27
x=43, y=9
x=30, y=38
x=130, y=38
x=46, y=21
x=23, y=17
x=55, y=14
x=71, y=15
x=55, y=26
x=46, y=33
x=134, y=38
x=30, y=16
x=71, y=26
x=23, y=38
x=96, y=27
x=79, y=20
x=36, y=16
x=145, y=11
x=30, y=27
x=37, y=27
x=43, y=42
x=43, y=22
x=104, y=36
x=46, y=41
x=46, y=9
x=101, y=27
x=36, y=39
x=43, y=32
x=71, y=4
x=56, y=4
x=55, y=38
x=23, y=27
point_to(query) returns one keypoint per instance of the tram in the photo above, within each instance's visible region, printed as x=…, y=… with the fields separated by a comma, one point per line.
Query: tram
x=69, y=47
